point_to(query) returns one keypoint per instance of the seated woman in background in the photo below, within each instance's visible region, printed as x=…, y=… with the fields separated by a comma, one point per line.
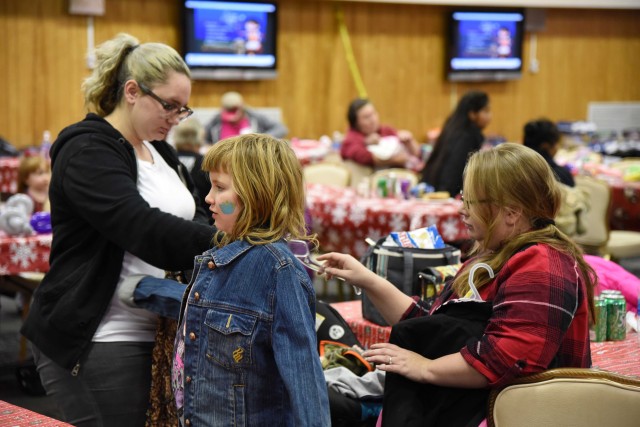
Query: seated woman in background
x=34, y=175
x=461, y=135
x=540, y=299
x=371, y=144
x=543, y=136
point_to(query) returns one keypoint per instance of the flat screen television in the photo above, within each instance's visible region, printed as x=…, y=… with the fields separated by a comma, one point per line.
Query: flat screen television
x=230, y=40
x=485, y=44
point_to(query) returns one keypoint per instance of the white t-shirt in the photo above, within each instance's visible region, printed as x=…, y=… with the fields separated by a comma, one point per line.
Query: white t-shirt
x=162, y=188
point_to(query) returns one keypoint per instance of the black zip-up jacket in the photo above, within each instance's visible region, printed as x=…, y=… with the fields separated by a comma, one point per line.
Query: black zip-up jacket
x=97, y=214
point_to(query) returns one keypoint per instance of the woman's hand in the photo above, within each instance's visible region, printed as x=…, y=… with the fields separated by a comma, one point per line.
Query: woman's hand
x=447, y=371
x=391, y=358
x=348, y=268
x=372, y=139
x=405, y=136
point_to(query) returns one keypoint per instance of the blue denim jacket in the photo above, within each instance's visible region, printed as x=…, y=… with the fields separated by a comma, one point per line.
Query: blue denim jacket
x=251, y=357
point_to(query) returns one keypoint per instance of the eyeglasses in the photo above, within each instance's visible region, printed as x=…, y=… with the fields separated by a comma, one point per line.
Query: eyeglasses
x=169, y=108
x=300, y=250
x=468, y=203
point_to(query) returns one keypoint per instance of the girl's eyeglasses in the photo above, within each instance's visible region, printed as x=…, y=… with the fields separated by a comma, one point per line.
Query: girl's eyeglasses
x=300, y=250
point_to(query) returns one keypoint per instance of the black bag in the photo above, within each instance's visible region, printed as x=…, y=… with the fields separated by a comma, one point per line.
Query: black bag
x=331, y=326
x=401, y=266
x=450, y=328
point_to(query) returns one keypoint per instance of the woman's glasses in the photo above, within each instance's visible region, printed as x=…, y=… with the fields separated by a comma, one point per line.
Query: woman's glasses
x=300, y=250
x=169, y=108
x=468, y=203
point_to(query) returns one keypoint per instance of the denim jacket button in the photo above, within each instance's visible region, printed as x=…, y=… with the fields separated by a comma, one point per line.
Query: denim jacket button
x=187, y=422
x=192, y=336
x=188, y=380
x=196, y=296
x=211, y=265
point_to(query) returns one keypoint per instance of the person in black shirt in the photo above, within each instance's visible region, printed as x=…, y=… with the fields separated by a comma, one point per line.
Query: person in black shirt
x=543, y=136
x=461, y=136
x=188, y=139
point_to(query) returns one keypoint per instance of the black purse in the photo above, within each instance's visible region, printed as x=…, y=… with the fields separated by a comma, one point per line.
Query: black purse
x=401, y=266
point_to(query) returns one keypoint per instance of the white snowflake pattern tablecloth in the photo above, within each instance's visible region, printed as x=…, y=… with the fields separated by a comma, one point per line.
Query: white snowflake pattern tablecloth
x=343, y=220
x=24, y=254
x=9, y=174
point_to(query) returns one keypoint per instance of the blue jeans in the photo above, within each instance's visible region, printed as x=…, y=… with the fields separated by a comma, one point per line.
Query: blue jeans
x=111, y=389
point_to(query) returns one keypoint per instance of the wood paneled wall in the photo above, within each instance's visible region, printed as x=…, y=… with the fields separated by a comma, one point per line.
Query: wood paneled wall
x=584, y=55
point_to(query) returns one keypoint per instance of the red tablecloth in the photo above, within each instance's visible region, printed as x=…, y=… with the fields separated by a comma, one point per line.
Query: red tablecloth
x=310, y=150
x=9, y=174
x=15, y=416
x=622, y=357
x=343, y=220
x=625, y=206
x=22, y=254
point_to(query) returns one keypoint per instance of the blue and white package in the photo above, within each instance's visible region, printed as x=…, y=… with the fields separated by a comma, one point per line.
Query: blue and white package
x=436, y=238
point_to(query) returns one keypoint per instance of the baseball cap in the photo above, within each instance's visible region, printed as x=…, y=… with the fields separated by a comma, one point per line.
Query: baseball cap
x=231, y=100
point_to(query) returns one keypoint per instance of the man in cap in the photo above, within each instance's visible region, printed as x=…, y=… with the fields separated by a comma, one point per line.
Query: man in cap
x=236, y=119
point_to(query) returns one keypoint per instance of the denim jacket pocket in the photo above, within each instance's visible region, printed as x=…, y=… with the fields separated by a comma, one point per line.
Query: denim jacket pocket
x=230, y=336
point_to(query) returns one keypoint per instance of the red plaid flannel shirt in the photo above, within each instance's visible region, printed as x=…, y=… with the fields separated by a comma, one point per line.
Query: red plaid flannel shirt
x=540, y=317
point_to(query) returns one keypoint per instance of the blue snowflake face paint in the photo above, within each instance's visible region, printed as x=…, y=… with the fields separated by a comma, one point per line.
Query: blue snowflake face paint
x=227, y=208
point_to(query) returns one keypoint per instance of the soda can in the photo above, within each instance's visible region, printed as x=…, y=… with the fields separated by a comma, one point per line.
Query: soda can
x=382, y=187
x=598, y=332
x=616, y=312
x=392, y=183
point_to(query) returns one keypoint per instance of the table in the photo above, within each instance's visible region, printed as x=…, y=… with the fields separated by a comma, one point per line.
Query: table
x=622, y=357
x=625, y=206
x=15, y=416
x=343, y=220
x=9, y=174
x=310, y=150
x=24, y=254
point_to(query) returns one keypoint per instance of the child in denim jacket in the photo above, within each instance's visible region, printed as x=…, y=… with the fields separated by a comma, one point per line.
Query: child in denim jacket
x=245, y=351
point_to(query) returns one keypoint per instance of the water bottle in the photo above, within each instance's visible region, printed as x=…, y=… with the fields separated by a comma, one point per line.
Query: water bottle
x=45, y=146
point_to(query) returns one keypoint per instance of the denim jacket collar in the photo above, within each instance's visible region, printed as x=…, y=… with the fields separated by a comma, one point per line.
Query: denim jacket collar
x=227, y=254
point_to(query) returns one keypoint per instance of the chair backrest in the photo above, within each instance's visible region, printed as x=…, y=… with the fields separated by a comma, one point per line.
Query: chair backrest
x=327, y=174
x=358, y=172
x=399, y=173
x=597, y=218
x=567, y=397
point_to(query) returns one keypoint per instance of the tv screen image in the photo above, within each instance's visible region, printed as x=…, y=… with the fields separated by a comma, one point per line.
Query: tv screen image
x=230, y=39
x=485, y=45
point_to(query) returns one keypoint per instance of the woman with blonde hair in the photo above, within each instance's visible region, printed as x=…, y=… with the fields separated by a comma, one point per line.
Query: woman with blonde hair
x=122, y=204
x=539, y=291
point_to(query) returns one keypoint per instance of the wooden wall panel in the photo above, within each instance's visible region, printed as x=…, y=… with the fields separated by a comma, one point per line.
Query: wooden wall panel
x=584, y=55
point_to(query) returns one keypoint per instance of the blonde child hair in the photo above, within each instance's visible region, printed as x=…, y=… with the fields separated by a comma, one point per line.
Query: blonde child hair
x=267, y=177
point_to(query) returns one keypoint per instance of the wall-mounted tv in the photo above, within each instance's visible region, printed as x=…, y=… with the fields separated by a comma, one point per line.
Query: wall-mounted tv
x=485, y=44
x=230, y=40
